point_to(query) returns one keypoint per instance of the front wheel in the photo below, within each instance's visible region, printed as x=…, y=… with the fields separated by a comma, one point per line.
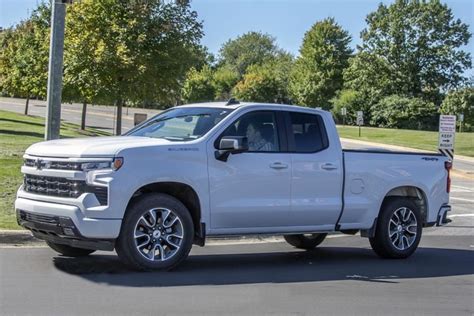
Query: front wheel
x=398, y=230
x=305, y=241
x=69, y=251
x=157, y=233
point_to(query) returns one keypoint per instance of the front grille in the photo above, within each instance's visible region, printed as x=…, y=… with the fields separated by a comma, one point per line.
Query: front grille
x=53, y=186
x=48, y=164
x=61, y=187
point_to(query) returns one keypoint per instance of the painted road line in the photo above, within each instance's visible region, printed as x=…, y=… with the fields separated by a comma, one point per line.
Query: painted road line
x=465, y=189
x=97, y=113
x=461, y=215
x=14, y=103
x=461, y=199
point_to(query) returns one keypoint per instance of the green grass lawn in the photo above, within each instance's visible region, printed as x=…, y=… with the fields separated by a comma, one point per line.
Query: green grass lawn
x=464, y=142
x=17, y=132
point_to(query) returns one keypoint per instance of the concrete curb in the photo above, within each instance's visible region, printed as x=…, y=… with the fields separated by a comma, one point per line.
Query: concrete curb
x=18, y=238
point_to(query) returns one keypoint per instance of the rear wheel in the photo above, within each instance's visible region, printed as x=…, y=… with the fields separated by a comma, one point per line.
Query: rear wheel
x=398, y=230
x=305, y=241
x=68, y=250
x=157, y=233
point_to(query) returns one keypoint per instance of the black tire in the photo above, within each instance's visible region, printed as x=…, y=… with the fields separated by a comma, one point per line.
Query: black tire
x=69, y=251
x=382, y=244
x=126, y=246
x=304, y=241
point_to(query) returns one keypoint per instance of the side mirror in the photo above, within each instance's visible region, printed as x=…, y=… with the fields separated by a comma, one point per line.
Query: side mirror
x=231, y=145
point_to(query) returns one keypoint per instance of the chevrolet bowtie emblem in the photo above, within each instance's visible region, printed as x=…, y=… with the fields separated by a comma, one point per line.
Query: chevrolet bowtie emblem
x=40, y=164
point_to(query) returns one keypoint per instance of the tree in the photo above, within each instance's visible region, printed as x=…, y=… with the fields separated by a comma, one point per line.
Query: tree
x=81, y=81
x=248, y=49
x=143, y=48
x=402, y=112
x=225, y=79
x=460, y=102
x=410, y=48
x=198, y=86
x=318, y=72
x=266, y=82
x=24, y=56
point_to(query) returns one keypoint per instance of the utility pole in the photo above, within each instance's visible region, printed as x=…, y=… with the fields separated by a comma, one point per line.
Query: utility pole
x=55, y=71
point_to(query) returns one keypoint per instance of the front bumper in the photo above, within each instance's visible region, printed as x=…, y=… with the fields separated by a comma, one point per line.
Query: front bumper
x=55, y=218
x=60, y=230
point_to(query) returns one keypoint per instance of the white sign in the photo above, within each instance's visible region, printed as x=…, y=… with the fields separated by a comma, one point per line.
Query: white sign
x=461, y=117
x=344, y=111
x=447, y=123
x=446, y=141
x=360, y=118
x=447, y=131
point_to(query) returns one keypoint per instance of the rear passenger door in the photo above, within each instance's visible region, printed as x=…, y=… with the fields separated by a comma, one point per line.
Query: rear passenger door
x=316, y=177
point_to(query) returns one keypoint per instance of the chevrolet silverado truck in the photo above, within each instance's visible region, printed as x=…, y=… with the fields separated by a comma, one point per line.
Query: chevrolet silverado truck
x=226, y=169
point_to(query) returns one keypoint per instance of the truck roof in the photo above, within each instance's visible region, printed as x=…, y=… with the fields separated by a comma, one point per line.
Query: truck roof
x=233, y=106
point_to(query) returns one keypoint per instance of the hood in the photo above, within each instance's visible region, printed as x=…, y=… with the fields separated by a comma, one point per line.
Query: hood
x=91, y=147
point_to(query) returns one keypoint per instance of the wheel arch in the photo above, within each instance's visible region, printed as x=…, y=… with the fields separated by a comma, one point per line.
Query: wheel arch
x=411, y=191
x=414, y=192
x=185, y=194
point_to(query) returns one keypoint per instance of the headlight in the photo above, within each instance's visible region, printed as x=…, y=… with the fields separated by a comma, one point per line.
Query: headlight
x=115, y=164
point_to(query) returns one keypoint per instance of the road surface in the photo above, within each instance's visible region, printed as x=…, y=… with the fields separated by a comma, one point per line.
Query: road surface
x=341, y=277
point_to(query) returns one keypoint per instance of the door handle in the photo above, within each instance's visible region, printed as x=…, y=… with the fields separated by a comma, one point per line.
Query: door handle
x=278, y=165
x=329, y=166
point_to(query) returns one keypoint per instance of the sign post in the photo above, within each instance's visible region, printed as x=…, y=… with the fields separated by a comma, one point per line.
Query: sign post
x=344, y=113
x=360, y=119
x=447, y=132
x=461, y=120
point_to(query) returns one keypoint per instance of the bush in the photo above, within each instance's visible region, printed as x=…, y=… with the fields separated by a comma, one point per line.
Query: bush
x=198, y=86
x=460, y=102
x=353, y=102
x=402, y=112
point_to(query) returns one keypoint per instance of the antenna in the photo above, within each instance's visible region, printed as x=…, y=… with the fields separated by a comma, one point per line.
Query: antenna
x=232, y=101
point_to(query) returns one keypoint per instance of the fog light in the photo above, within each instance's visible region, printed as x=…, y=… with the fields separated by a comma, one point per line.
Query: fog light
x=68, y=231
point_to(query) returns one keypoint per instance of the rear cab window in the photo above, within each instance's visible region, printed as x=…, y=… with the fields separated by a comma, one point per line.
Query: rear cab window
x=307, y=133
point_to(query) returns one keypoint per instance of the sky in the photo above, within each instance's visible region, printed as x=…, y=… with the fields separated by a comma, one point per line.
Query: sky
x=286, y=20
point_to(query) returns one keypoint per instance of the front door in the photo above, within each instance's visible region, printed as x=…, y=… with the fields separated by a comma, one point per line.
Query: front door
x=251, y=190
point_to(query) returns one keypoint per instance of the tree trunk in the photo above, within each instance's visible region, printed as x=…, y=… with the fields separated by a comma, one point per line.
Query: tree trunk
x=26, y=104
x=118, y=126
x=83, y=118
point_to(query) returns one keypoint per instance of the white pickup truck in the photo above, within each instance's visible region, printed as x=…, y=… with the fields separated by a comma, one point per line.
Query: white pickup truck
x=221, y=169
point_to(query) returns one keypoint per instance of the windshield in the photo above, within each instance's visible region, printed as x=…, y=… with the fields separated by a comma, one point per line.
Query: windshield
x=181, y=124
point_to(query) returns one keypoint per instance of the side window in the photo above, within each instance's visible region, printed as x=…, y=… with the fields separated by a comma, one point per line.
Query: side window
x=307, y=132
x=260, y=128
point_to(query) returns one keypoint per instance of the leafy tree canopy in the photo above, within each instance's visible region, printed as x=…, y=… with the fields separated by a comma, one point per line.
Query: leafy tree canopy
x=411, y=48
x=246, y=50
x=460, y=102
x=198, y=86
x=266, y=82
x=318, y=72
